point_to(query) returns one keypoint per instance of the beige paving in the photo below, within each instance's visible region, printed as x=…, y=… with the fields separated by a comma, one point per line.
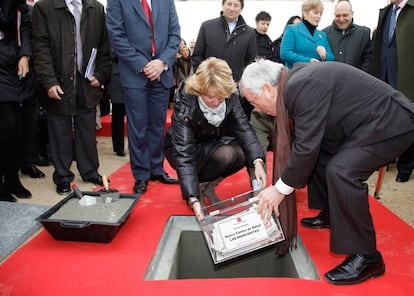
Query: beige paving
x=398, y=197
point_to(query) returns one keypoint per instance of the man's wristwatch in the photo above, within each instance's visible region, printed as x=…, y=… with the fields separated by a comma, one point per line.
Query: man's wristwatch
x=165, y=66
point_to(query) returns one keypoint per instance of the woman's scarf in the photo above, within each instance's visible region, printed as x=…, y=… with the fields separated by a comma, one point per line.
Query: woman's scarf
x=214, y=116
x=283, y=141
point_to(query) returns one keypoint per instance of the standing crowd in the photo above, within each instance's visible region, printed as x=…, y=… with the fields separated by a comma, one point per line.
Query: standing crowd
x=334, y=105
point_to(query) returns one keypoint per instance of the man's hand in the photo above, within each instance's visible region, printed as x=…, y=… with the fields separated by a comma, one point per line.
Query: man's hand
x=54, y=92
x=94, y=82
x=153, y=69
x=23, y=67
x=269, y=201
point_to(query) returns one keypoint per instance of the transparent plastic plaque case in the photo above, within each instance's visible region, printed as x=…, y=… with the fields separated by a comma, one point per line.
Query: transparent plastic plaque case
x=232, y=228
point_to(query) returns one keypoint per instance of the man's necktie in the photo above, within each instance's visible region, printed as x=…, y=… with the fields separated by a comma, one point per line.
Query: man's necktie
x=147, y=11
x=77, y=15
x=393, y=21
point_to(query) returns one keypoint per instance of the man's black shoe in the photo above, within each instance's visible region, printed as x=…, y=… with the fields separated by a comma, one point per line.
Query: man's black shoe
x=140, y=186
x=320, y=221
x=95, y=179
x=164, y=178
x=63, y=188
x=19, y=191
x=401, y=178
x=356, y=269
x=6, y=196
x=43, y=161
x=33, y=172
x=121, y=153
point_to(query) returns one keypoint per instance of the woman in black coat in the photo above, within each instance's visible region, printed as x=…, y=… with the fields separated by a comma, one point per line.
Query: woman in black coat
x=16, y=85
x=211, y=137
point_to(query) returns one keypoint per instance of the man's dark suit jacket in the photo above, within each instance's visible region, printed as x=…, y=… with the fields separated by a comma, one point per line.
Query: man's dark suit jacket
x=336, y=106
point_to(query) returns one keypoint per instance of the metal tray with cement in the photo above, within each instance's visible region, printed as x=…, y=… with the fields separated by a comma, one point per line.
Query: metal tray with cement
x=68, y=220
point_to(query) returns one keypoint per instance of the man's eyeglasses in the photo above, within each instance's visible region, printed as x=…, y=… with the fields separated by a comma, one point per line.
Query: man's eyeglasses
x=255, y=97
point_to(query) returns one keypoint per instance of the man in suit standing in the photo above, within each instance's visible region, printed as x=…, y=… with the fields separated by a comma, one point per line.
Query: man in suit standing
x=65, y=34
x=349, y=42
x=227, y=37
x=347, y=124
x=393, y=61
x=145, y=36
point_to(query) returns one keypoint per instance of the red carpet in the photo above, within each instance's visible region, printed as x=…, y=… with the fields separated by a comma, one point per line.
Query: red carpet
x=45, y=266
x=105, y=131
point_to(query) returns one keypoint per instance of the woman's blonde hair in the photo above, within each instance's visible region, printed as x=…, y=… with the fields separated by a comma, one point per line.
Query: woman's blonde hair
x=213, y=73
x=308, y=5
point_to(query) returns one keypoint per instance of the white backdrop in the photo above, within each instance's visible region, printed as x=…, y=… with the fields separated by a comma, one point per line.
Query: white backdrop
x=192, y=13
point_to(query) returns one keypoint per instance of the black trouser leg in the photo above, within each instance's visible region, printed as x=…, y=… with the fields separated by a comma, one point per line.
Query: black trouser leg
x=29, y=144
x=117, y=127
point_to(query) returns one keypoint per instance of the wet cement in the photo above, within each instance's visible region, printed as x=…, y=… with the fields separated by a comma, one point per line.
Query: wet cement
x=99, y=212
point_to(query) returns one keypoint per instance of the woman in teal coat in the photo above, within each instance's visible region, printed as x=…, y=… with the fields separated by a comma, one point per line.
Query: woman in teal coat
x=302, y=42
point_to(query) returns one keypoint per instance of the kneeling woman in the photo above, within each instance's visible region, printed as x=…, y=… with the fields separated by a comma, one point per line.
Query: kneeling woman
x=210, y=134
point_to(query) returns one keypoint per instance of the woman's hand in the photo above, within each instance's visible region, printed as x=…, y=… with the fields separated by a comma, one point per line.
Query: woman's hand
x=321, y=52
x=195, y=204
x=260, y=173
x=269, y=201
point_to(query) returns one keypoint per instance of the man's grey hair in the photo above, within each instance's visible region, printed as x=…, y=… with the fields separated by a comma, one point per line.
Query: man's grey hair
x=256, y=74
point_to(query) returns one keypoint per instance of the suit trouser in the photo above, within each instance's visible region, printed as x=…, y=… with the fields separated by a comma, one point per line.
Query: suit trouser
x=146, y=111
x=405, y=163
x=263, y=126
x=340, y=186
x=73, y=134
x=9, y=114
x=29, y=149
x=117, y=127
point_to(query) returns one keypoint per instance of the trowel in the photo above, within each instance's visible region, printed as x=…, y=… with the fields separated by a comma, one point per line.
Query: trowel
x=108, y=195
x=84, y=200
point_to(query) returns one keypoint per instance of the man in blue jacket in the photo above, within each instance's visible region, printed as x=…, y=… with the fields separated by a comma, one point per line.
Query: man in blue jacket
x=146, y=47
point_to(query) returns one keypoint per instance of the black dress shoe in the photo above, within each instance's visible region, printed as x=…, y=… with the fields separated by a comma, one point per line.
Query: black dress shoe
x=320, y=221
x=140, y=186
x=43, y=161
x=401, y=178
x=19, y=191
x=63, y=188
x=95, y=179
x=33, y=172
x=6, y=196
x=164, y=178
x=121, y=153
x=356, y=269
